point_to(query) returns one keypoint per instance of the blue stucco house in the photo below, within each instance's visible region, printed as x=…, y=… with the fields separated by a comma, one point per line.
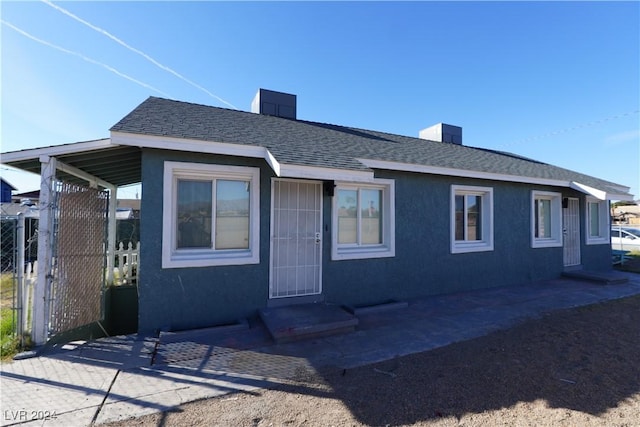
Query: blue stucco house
x=246, y=210
x=5, y=191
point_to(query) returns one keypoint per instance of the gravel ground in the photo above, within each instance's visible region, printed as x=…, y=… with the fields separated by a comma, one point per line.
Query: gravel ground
x=578, y=367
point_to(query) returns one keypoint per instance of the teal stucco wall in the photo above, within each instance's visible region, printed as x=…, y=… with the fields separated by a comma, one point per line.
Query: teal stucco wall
x=183, y=298
x=424, y=264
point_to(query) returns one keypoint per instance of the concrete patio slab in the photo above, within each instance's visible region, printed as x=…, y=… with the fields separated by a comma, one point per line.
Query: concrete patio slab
x=122, y=377
x=297, y=322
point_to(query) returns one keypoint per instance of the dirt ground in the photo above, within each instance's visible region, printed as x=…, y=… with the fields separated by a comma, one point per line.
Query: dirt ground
x=578, y=367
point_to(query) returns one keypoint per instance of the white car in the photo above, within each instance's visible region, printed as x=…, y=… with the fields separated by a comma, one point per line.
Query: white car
x=625, y=238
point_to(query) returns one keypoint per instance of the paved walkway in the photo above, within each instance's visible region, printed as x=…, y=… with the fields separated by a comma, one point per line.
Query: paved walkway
x=128, y=376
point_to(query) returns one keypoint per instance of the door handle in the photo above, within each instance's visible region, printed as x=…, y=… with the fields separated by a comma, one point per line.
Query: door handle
x=318, y=239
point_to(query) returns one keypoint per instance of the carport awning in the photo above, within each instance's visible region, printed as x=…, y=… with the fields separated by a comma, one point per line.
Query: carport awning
x=118, y=165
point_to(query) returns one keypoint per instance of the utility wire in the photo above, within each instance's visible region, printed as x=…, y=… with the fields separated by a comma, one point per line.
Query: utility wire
x=83, y=57
x=574, y=128
x=137, y=51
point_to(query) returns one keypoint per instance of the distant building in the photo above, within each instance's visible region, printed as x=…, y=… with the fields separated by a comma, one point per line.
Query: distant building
x=627, y=214
x=128, y=209
x=28, y=197
x=5, y=191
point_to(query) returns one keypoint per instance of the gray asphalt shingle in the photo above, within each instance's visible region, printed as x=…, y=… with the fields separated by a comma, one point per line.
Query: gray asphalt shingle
x=300, y=142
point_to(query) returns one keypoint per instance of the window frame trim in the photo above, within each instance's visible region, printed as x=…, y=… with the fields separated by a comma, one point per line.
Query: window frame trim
x=350, y=251
x=556, y=239
x=486, y=216
x=603, y=224
x=172, y=257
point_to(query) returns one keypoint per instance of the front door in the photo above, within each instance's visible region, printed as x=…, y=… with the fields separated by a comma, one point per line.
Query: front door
x=571, y=232
x=296, y=244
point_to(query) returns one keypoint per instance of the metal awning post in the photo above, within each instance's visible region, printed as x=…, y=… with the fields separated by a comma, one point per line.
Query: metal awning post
x=111, y=233
x=39, y=330
x=20, y=324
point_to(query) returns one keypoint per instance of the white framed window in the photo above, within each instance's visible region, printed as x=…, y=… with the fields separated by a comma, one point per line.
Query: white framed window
x=210, y=215
x=363, y=220
x=546, y=219
x=598, y=229
x=471, y=219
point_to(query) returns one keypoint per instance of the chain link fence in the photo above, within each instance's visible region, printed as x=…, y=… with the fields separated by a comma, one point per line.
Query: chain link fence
x=18, y=235
x=74, y=295
x=9, y=304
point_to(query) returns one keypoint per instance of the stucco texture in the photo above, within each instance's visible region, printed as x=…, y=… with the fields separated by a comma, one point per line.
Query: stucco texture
x=184, y=298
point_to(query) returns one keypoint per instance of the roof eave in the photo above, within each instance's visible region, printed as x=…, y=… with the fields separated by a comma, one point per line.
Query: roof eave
x=243, y=150
x=55, y=150
x=325, y=173
x=187, y=144
x=464, y=173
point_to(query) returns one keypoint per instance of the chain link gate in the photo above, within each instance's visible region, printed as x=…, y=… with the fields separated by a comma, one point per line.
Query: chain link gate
x=79, y=258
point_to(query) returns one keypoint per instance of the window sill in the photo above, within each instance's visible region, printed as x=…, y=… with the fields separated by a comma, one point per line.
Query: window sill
x=546, y=243
x=362, y=253
x=186, y=260
x=598, y=241
x=461, y=248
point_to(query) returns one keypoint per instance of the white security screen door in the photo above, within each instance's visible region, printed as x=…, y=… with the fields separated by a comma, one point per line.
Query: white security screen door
x=571, y=230
x=296, y=244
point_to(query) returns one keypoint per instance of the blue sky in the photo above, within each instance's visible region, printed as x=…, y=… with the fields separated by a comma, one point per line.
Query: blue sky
x=558, y=82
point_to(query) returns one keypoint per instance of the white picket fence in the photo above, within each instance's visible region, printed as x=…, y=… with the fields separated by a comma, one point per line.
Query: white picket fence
x=30, y=277
x=125, y=272
x=127, y=264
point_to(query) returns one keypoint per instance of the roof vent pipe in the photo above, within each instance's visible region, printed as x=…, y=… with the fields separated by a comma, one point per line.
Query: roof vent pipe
x=442, y=133
x=273, y=103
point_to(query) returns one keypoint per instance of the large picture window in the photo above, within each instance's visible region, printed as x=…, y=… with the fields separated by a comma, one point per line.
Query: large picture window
x=210, y=215
x=598, y=229
x=546, y=219
x=471, y=219
x=363, y=220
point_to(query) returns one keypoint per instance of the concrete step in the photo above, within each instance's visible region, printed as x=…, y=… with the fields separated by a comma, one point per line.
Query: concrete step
x=376, y=308
x=603, y=277
x=298, y=322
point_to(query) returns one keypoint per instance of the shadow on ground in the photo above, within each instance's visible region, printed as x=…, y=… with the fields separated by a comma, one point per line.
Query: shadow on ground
x=584, y=360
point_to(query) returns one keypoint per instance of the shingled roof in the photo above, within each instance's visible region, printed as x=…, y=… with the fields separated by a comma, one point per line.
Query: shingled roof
x=321, y=145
